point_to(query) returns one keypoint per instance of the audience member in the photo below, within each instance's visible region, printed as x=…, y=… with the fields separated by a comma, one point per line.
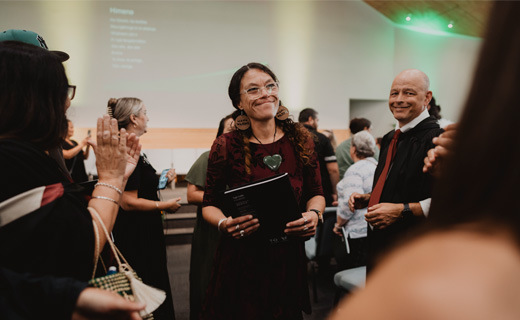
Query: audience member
x=326, y=158
x=252, y=279
x=465, y=264
x=400, y=198
x=343, y=150
x=330, y=134
x=435, y=111
x=138, y=231
x=35, y=39
x=74, y=154
x=329, y=179
x=205, y=237
x=46, y=232
x=351, y=225
x=378, y=142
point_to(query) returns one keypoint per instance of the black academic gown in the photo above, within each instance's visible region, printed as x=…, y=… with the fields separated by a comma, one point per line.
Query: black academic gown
x=405, y=183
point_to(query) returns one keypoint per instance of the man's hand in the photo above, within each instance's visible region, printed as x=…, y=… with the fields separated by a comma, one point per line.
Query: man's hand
x=444, y=146
x=358, y=201
x=382, y=215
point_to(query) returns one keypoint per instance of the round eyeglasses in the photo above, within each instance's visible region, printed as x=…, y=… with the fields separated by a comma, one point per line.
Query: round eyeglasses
x=256, y=92
x=71, y=92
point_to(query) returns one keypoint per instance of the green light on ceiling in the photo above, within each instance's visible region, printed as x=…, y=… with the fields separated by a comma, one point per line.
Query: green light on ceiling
x=427, y=22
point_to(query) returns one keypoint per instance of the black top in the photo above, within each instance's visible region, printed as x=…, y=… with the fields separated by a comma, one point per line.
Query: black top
x=140, y=238
x=56, y=239
x=406, y=181
x=325, y=151
x=76, y=164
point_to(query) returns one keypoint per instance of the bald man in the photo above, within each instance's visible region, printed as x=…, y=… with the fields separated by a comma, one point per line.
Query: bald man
x=406, y=189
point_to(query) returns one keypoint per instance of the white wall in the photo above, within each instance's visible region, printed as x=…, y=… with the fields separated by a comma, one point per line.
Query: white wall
x=324, y=52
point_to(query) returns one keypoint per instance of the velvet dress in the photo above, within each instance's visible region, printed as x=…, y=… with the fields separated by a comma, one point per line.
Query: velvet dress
x=139, y=236
x=252, y=279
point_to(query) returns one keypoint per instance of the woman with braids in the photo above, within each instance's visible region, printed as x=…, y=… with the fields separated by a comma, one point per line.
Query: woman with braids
x=252, y=279
x=138, y=231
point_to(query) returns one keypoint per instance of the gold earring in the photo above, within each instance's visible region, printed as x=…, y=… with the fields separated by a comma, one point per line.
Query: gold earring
x=242, y=122
x=282, y=113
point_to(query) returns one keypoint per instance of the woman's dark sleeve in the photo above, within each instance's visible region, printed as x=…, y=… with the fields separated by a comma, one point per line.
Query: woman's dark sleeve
x=26, y=296
x=216, y=173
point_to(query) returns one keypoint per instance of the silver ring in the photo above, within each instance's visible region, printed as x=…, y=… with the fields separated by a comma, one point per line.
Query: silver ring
x=241, y=233
x=237, y=227
x=306, y=228
x=305, y=219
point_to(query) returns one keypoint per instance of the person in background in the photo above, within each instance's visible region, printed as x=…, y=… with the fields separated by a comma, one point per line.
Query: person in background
x=343, y=150
x=327, y=159
x=75, y=155
x=435, y=111
x=400, y=199
x=253, y=279
x=46, y=232
x=35, y=39
x=205, y=236
x=465, y=263
x=351, y=225
x=378, y=142
x=329, y=179
x=330, y=134
x=138, y=231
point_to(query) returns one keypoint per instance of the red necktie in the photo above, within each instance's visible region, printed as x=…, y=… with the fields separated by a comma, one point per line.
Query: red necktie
x=378, y=189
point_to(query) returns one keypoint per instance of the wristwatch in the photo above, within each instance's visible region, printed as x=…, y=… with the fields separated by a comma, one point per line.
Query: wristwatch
x=320, y=215
x=407, y=212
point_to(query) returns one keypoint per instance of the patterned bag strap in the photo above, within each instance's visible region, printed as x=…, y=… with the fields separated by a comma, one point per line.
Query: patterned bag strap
x=117, y=254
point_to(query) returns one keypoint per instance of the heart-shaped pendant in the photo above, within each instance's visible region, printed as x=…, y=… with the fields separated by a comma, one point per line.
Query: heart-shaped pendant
x=273, y=162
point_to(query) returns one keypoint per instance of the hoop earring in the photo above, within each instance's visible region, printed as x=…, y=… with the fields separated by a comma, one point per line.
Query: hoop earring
x=282, y=113
x=242, y=122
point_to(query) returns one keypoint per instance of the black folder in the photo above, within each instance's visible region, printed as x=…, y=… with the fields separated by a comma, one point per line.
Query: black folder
x=271, y=200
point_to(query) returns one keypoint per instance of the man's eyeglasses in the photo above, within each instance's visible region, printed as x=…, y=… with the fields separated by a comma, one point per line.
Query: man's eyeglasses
x=256, y=92
x=71, y=92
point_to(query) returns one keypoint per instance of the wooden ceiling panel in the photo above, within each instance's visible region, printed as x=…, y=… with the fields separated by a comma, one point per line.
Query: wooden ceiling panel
x=469, y=17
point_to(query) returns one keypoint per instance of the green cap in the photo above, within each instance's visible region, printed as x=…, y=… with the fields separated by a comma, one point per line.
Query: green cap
x=30, y=38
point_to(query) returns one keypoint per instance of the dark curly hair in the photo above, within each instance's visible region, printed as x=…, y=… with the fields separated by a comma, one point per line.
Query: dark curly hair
x=295, y=132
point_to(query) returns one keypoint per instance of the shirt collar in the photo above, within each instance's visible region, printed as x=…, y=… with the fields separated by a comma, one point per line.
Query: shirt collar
x=410, y=125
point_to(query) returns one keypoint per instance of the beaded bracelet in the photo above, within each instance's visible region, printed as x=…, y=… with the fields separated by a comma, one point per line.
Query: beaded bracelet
x=220, y=222
x=105, y=198
x=109, y=186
